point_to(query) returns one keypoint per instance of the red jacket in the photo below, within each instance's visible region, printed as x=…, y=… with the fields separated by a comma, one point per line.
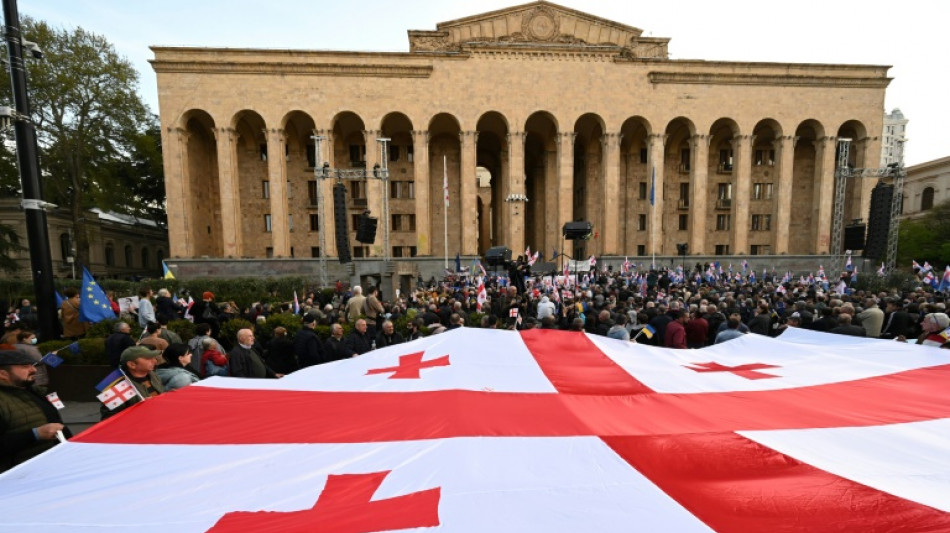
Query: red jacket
x=216, y=357
x=675, y=336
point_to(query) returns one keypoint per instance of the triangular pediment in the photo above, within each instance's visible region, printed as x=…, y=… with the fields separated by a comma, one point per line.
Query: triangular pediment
x=541, y=23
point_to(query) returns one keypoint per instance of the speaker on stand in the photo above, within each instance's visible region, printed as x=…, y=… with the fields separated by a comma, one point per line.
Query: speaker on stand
x=339, y=219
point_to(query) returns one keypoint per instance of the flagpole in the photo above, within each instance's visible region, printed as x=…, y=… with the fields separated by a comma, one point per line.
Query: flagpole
x=445, y=208
x=653, y=217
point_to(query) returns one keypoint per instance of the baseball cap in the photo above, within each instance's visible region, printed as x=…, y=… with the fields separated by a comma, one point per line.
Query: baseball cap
x=15, y=357
x=135, y=352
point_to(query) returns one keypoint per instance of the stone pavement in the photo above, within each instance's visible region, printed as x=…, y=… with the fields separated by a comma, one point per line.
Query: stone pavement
x=79, y=416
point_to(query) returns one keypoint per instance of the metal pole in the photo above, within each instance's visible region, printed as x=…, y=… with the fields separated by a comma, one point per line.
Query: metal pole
x=28, y=162
x=321, y=214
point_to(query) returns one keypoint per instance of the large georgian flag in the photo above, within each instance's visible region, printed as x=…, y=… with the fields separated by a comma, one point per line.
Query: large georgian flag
x=496, y=431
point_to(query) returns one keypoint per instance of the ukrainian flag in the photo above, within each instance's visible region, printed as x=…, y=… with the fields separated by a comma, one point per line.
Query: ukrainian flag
x=649, y=331
x=166, y=272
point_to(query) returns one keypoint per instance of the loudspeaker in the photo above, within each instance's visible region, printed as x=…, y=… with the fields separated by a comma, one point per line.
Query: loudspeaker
x=366, y=232
x=854, y=236
x=578, y=230
x=339, y=219
x=498, y=256
x=879, y=221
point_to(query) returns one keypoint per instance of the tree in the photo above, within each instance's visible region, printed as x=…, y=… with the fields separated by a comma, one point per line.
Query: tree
x=926, y=238
x=9, y=243
x=92, y=128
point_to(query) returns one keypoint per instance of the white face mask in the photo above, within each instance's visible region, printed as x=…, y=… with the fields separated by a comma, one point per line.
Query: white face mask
x=33, y=340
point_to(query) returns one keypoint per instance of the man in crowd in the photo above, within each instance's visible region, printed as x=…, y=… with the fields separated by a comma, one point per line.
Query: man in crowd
x=373, y=311
x=28, y=421
x=388, y=335
x=307, y=345
x=358, y=340
x=336, y=345
x=354, y=306
x=116, y=343
x=146, y=310
x=871, y=318
x=245, y=361
x=138, y=363
x=675, y=334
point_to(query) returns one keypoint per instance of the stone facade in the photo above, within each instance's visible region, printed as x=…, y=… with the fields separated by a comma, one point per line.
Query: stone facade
x=927, y=185
x=572, y=117
x=120, y=246
x=893, y=137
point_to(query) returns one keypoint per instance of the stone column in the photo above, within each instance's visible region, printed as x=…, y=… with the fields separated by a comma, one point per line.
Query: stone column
x=468, y=141
x=565, y=171
x=277, y=173
x=515, y=207
x=327, y=210
x=825, y=178
x=552, y=232
x=698, y=195
x=420, y=177
x=611, y=162
x=742, y=169
x=869, y=156
x=230, y=194
x=179, y=202
x=655, y=225
x=374, y=190
x=785, y=151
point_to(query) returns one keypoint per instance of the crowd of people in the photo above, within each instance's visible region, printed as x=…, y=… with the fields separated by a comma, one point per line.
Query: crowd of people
x=658, y=307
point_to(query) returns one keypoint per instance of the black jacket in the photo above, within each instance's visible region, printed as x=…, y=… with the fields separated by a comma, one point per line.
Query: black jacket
x=280, y=355
x=337, y=349
x=360, y=343
x=308, y=348
x=383, y=340
x=115, y=345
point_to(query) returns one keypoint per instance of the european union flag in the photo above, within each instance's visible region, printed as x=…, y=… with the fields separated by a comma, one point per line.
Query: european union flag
x=59, y=299
x=51, y=360
x=94, y=306
x=74, y=347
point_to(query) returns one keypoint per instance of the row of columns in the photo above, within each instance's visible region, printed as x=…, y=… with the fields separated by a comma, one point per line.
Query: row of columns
x=514, y=210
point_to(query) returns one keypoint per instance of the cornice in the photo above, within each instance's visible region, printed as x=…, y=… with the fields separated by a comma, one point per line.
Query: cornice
x=710, y=78
x=377, y=70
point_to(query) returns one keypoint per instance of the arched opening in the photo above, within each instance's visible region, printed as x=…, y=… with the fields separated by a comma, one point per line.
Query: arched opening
x=492, y=174
x=110, y=254
x=145, y=258
x=589, y=180
x=763, y=205
x=540, y=172
x=857, y=158
x=803, y=230
x=301, y=192
x=445, y=168
x=677, y=168
x=635, y=185
x=251, y=154
x=349, y=151
x=128, y=256
x=927, y=199
x=401, y=187
x=203, y=195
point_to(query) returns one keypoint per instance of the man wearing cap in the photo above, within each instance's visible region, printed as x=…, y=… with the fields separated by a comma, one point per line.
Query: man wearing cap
x=28, y=421
x=138, y=363
x=307, y=346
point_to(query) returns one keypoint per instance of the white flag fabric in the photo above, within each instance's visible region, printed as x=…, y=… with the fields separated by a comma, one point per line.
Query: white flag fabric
x=481, y=430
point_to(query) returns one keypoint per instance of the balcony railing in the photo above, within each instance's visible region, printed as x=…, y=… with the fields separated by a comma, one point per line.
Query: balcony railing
x=724, y=168
x=684, y=168
x=724, y=203
x=683, y=203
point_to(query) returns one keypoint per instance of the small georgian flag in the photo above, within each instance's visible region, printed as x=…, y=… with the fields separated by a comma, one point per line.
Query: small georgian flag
x=117, y=395
x=54, y=399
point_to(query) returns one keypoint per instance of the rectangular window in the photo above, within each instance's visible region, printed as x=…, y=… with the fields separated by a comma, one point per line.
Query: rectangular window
x=355, y=221
x=641, y=222
x=265, y=189
x=358, y=190
x=724, y=191
x=267, y=224
x=684, y=160
x=642, y=190
x=314, y=251
x=725, y=160
x=641, y=249
x=311, y=156
x=394, y=153
x=412, y=251
x=409, y=153
x=403, y=223
x=760, y=249
x=361, y=251
x=290, y=222
x=263, y=152
x=314, y=222
x=312, y=192
x=643, y=155
x=761, y=191
x=722, y=222
x=404, y=190
x=722, y=249
x=290, y=190
x=684, y=222
x=357, y=153
x=684, y=194
x=269, y=252
x=761, y=222
x=397, y=251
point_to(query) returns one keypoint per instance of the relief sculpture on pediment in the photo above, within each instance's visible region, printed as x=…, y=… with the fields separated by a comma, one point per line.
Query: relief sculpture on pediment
x=541, y=24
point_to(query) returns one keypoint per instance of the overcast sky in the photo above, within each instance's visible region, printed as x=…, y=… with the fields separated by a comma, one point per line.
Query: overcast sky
x=911, y=36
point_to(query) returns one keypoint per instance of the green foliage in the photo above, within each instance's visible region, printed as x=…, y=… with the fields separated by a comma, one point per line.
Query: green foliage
x=91, y=351
x=324, y=331
x=104, y=328
x=896, y=280
x=265, y=331
x=9, y=245
x=184, y=328
x=925, y=239
x=230, y=328
x=89, y=123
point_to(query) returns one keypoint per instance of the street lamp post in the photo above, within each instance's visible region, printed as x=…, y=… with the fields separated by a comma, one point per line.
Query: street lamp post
x=28, y=162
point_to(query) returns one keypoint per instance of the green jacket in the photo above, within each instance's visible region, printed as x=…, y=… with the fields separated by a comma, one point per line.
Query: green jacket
x=21, y=410
x=156, y=381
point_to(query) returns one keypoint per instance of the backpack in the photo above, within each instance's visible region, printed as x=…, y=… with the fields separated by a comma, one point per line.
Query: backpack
x=208, y=313
x=212, y=369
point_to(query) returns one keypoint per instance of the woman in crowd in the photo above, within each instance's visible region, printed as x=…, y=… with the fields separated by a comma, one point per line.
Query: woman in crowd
x=174, y=371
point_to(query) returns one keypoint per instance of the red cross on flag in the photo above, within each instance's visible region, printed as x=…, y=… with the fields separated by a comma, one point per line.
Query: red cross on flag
x=488, y=430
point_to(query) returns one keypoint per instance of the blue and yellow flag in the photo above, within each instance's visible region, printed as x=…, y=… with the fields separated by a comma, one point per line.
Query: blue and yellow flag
x=166, y=272
x=94, y=306
x=648, y=331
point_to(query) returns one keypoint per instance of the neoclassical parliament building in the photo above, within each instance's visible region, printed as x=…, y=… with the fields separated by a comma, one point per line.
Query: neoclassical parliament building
x=538, y=115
